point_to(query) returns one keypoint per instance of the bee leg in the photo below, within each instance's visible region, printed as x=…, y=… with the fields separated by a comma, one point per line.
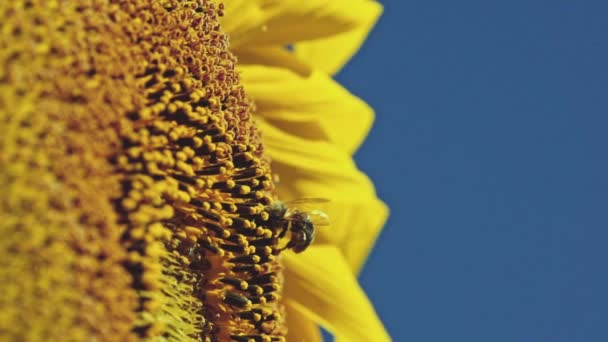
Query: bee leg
x=277, y=250
x=285, y=228
x=291, y=244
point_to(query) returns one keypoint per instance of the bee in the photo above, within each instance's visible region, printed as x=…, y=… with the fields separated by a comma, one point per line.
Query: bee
x=292, y=217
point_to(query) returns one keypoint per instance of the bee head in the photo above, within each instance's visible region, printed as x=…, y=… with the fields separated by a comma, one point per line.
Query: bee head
x=303, y=232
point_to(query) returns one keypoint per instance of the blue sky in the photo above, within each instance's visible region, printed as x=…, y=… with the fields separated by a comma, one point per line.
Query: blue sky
x=490, y=148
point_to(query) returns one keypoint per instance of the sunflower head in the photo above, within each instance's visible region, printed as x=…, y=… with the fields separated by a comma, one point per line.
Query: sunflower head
x=139, y=203
x=135, y=181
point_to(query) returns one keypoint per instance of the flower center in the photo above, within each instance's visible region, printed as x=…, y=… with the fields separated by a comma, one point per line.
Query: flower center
x=137, y=185
x=195, y=202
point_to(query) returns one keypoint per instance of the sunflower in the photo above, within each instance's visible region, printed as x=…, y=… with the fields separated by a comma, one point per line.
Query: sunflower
x=137, y=186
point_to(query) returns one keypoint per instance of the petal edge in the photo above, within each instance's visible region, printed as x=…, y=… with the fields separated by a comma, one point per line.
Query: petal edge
x=320, y=284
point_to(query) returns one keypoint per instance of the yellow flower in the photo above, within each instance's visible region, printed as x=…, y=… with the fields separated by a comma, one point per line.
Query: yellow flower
x=311, y=127
x=136, y=189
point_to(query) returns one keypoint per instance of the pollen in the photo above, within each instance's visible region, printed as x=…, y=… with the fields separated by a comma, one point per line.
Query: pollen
x=135, y=182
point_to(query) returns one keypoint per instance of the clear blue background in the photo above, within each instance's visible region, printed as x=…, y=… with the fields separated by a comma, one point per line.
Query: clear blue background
x=490, y=147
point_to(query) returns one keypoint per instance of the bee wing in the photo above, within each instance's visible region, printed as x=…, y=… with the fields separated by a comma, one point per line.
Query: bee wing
x=310, y=206
x=319, y=218
x=306, y=204
x=304, y=201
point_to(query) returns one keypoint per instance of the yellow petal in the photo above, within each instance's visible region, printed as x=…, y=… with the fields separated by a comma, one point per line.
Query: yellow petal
x=306, y=103
x=355, y=225
x=269, y=56
x=241, y=18
x=301, y=328
x=319, y=283
x=330, y=54
x=320, y=169
x=290, y=21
